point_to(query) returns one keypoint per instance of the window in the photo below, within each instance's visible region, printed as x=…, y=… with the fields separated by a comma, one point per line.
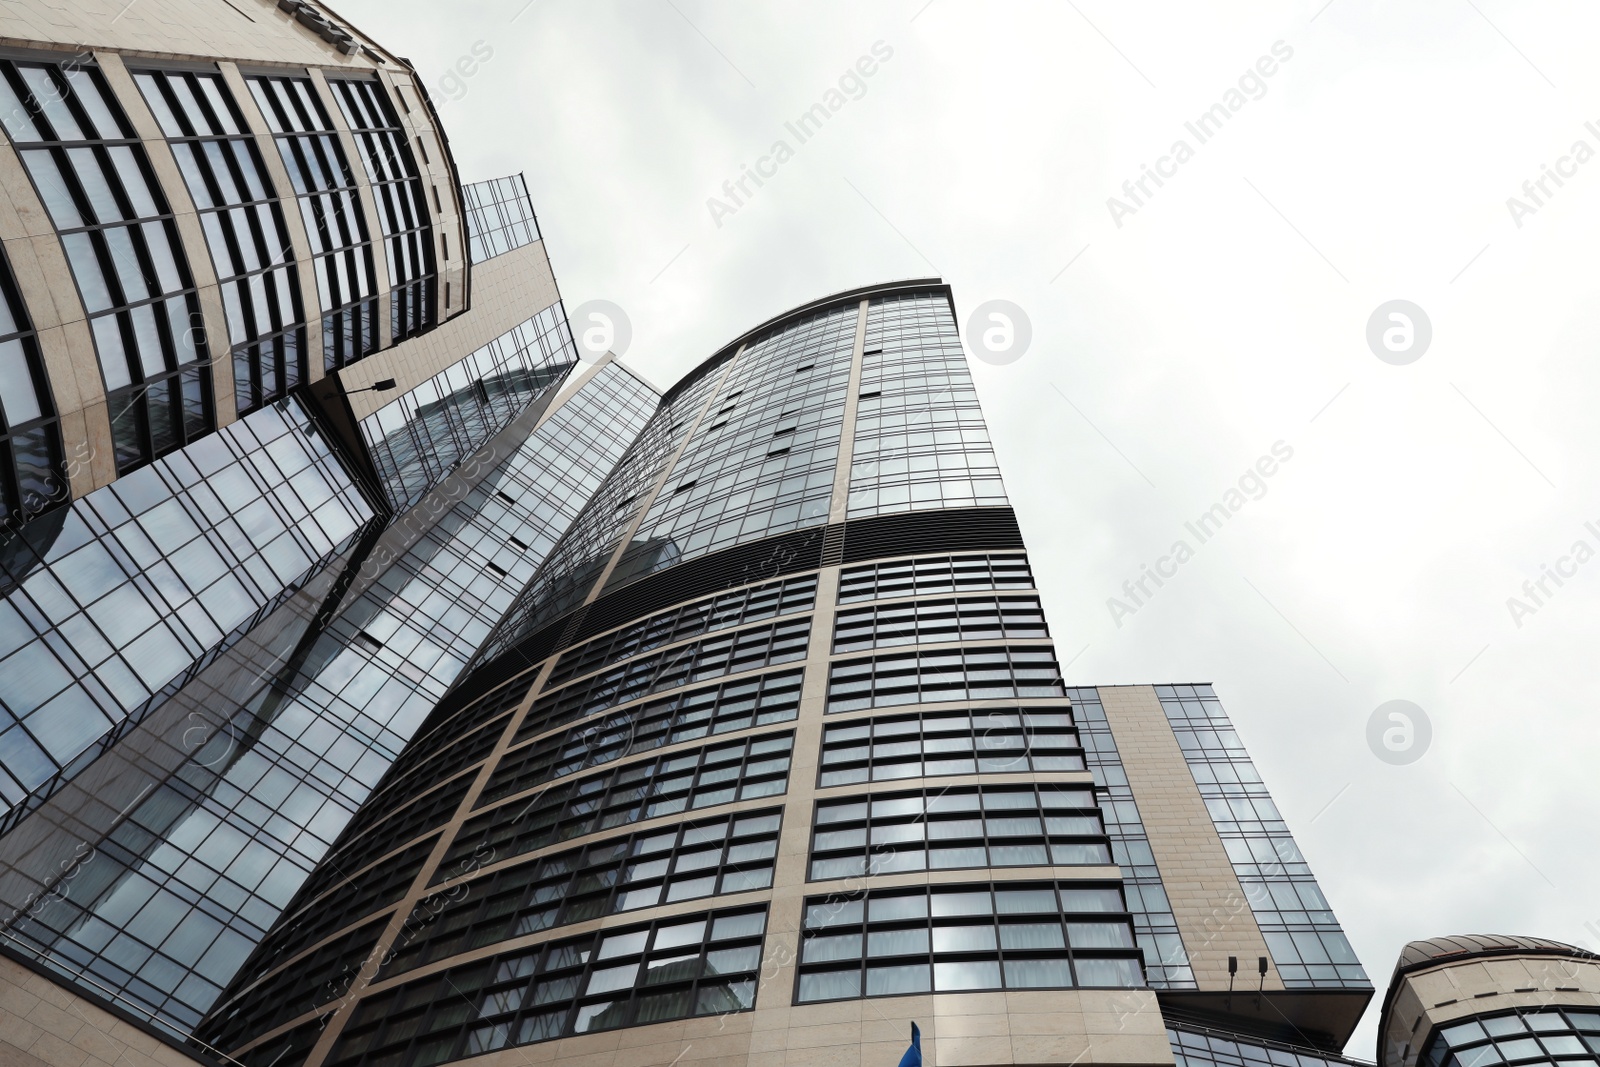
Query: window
x=999, y=826
x=1541, y=1034
x=32, y=479
x=950, y=938
x=993, y=741
x=927, y=622
x=734, y=854
x=402, y=210
x=714, y=613
x=698, y=964
x=646, y=789
x=954, y=674
x=245, y=231
x=327, y=973
x=743, y=650
x=418, y=439
x=686, y=716
x=1196, y=1048
x=122, y=244
x=460, y=720
x=421, y=765
x=362, y=893
x=932, y=575
x=378, y=828
x=499, y=216
x=340, y=246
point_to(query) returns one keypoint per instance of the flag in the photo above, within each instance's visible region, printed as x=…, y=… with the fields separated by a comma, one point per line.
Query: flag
x=913, y=1056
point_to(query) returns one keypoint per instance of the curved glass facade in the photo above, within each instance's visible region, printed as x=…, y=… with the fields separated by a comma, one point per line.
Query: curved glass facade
x=714, y=744
x=245, y=231
x=1535, y=1036
x=118, y=230
x=325, y=189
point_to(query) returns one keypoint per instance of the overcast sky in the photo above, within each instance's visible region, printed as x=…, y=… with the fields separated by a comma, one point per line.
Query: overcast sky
x=1173, y=346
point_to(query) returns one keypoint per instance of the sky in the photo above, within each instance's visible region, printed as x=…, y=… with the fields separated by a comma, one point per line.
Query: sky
x=1422, y=471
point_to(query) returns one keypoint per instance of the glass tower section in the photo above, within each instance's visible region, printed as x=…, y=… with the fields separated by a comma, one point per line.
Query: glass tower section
x=117, y=229
x=197, y=871
x=1308, y=946
x=341, y=247
x=696, y=684
x=245, y=231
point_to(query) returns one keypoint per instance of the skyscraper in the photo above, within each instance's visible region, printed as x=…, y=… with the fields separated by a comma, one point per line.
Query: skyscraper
x=290, y=416
x=384, y=686
x=773, y=757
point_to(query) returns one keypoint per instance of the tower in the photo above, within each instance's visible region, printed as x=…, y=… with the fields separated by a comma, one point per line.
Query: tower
x=774, y=757
x=290, y=415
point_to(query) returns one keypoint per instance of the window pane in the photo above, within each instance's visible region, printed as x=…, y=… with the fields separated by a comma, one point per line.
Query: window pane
x=966, y=974
x=1038, y=974
x=830, y=985
x=19, y=399
x=896, y=980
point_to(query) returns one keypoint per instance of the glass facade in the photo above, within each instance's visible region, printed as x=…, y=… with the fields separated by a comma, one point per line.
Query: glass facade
x=764, y=444
x=402, y=211
x=1308, y=947
x=684, y=716
x=117, y=229
x=419, y=438
x=647, y=789
x=113, y=603
x=499, y=216
x=680, y=623
x=958, y=827
x=1533, y=1036
x=244, y=228
x=703, y=858
x=586, y=548
x=698, y=964
x=967, y=937
x=203, y=865
x=708, y=657
x=920, y=438
x=928, y=622
x=341, y=248
x=932, y=575
x=1198, y=1047
x=761, y=461
x=936, y=743
x=991, y=673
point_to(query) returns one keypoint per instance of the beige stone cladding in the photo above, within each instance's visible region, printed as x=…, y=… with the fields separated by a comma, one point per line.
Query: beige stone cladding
x=1213, y=914
x=42, y=1024
x=254, y=31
